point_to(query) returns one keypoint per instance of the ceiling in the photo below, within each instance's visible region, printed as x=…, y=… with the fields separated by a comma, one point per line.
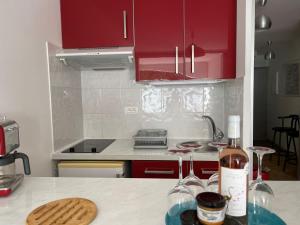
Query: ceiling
x=285, y=16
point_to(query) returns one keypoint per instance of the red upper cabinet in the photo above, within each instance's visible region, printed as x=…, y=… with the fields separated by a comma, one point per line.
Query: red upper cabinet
x=210, y=39
x=159, y=39
x=96, y=23
x=205, y=29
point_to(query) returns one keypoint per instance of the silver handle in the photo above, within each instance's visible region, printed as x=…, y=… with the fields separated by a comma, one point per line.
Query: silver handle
x=193, y=58
x=163, y=172
x=124, y=24
x=176, y=61
x=207, y=171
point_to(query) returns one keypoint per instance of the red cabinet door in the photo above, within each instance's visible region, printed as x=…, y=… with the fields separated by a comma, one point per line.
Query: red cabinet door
x=96, y=23
x=156, y=169
x=204, y=169
x=169, y=169
x=210, y=39
x=159, y=39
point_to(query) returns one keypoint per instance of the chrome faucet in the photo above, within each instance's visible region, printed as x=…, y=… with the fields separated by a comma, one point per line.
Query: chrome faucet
x=218, y=135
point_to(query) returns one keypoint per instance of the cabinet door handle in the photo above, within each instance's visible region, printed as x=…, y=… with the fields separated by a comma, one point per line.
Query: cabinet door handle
x=176, y=61
x=208, y=171
x=162, y=172
x=193, y=59
x=125, y=24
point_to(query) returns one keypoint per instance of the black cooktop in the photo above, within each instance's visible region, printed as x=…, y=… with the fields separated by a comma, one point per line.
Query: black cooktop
x=90, y=146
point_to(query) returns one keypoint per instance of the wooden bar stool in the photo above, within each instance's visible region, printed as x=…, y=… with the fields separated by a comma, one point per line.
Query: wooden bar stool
x=280, y=130
x=292, y=134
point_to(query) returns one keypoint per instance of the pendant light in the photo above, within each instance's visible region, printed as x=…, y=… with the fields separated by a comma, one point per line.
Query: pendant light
x=261, y=3
x=269, y=55
x=262, y=23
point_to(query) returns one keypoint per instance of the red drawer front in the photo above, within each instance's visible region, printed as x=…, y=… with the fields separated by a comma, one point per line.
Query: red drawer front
x=204, y=169
x=156, y=169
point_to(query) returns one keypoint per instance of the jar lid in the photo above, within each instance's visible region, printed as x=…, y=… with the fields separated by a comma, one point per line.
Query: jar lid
x=211, y=200
x=189, y=217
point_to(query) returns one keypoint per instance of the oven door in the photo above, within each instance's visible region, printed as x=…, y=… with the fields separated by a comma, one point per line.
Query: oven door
x=114, y=169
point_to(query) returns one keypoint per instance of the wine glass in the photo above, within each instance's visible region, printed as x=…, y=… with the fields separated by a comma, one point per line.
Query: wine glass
x=180, y=198
x=192, y=181
x=213, y=183
x=261, y=194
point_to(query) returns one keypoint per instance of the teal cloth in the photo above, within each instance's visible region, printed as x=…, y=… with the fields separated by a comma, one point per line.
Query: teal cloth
x=260, y=217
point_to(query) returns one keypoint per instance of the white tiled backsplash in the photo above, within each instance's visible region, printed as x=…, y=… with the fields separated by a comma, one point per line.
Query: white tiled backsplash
x=107, y=94
x=109, y=104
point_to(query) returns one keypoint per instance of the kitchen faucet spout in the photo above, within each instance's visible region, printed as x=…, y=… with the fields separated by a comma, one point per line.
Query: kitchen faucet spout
x=218, y=135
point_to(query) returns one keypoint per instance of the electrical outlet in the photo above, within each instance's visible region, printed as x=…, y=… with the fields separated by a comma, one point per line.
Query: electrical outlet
x=131, y=110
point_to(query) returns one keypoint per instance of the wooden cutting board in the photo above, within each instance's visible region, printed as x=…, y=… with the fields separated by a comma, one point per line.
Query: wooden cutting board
x=69, y=211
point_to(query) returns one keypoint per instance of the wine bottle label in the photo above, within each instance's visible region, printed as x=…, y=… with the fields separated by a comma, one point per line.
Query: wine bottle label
x=234, y=185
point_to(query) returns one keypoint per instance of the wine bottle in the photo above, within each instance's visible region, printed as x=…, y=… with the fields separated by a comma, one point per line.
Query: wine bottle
x=234, y=173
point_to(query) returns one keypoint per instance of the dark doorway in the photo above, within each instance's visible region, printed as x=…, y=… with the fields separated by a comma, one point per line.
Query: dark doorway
x=260, y=104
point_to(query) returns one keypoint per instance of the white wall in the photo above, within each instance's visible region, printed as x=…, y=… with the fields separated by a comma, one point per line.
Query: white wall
x=24, y=90
x=245, y=64
x=280, y=104
x=66, y=104
x=245, y=68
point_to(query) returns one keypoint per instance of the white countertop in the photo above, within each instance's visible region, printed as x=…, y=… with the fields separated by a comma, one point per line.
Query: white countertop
x=122, y=149
x=122, y=201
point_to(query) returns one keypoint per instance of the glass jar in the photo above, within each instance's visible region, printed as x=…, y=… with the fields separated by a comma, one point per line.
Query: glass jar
x=211, y=208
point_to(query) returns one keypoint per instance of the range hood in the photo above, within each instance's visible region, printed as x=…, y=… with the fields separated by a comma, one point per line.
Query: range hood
x=98, y=59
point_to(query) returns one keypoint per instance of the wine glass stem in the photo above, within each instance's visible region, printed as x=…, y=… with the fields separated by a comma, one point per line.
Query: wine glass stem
x=180, y=169
x=191, y=166
x=259, y=171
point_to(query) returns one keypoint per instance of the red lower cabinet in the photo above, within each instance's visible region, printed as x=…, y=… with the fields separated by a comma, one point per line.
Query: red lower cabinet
x=264, y=175
x=169, y=169
x=204, y=169
x=156, y=169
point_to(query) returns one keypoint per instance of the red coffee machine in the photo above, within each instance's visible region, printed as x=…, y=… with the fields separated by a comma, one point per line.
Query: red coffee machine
x=9, y=142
